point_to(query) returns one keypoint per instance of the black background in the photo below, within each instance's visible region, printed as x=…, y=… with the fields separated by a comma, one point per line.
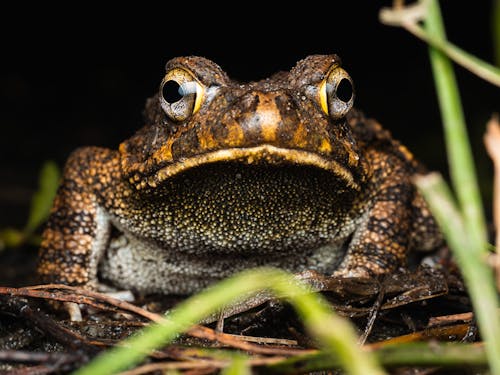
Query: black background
x=80, y=76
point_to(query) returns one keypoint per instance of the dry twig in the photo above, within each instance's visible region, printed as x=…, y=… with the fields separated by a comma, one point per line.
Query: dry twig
x=59, y=292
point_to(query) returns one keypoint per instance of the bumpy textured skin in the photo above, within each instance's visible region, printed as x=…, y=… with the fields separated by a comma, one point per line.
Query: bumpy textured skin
x=259, y=175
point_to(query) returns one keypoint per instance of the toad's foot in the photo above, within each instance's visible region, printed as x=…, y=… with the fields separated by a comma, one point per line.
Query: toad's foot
x=357, y=272
x=74, y=310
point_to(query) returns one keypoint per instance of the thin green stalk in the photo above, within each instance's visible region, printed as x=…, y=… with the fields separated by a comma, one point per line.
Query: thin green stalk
x=470, y=250
x=408, y=18
x=477, y=274
x=440, y=198
x=239, y=366
x=448, y=355
x=460, y=159
x=470, y=62
x=335, y=333
x=463, y=225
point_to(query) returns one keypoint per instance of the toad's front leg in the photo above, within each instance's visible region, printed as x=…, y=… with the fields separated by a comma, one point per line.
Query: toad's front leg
x=383, y=237
x=77, y=231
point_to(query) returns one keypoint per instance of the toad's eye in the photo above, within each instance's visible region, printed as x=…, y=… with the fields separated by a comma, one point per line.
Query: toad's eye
x=336, y=93
x=181, y=94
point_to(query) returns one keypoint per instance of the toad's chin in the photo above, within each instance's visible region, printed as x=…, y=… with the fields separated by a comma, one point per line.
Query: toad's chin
x=258, y=155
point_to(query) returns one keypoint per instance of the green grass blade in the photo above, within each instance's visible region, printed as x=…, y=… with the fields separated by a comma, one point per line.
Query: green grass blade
x=460, y=159
x=43, y=197
x=477, y=274
x=448, y=355
x=406, y=18
x=335, y=333
x=239, y=366
x=470, y=250
x=479, y=67
x=463, y=225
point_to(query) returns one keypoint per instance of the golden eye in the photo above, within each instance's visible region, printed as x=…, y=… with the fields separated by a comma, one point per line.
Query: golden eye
x=336, y=93
x=181, y=94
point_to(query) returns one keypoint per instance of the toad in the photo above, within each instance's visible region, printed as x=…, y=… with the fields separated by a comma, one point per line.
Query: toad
x=226, y=176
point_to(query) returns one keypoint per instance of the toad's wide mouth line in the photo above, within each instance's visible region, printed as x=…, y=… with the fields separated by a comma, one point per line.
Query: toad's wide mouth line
x=265, y=154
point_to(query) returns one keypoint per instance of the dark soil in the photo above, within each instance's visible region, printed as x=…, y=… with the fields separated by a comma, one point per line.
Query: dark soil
x=395, y=307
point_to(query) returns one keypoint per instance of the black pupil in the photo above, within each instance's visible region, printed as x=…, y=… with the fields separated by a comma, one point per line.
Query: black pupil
x=344, y=90
x=171, y=91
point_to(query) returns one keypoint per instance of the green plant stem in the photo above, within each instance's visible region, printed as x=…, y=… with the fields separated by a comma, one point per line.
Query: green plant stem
x=335, y=333
x=239, y=366
x=463, y=224
x=410, y=15
x=41, y=202
x=448, y=355
x=460, y=156
x=470, y=62
x=477, y=274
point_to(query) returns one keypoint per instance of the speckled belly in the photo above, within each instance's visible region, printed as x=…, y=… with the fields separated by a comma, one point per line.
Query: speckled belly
x=145, y=268
x=213, y=221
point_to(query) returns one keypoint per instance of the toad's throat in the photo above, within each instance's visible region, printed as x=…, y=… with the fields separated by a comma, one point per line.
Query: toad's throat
x=263, y=154
x=247, y=209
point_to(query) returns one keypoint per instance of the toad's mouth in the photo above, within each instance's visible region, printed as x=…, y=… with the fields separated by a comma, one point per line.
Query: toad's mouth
x=258, y=155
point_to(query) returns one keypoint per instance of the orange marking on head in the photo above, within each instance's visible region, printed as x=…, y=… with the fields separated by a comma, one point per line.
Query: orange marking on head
x=299, y=137
x=325, y=146
x=235, y=136
x=270, y=117
x=164, y=152
x=206, y=139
